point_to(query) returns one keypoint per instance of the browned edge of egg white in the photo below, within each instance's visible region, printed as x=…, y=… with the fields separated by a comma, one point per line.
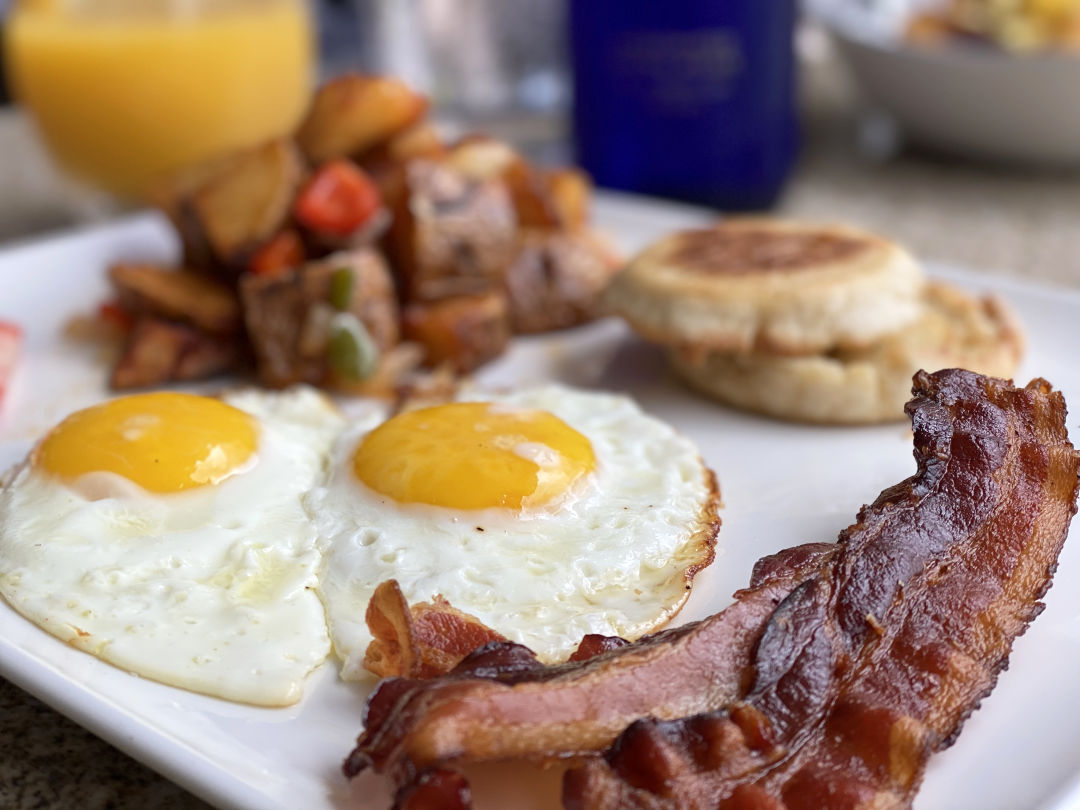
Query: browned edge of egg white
x=706, y=535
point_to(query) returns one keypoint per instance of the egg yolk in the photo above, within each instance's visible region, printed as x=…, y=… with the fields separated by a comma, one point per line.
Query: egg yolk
x=164, y=442
x=473, y=455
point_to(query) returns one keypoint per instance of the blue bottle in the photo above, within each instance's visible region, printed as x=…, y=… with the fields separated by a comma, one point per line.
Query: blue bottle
x=691, y=99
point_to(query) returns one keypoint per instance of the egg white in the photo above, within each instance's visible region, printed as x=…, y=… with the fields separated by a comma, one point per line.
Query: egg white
x=210, y=589
x=608, y=558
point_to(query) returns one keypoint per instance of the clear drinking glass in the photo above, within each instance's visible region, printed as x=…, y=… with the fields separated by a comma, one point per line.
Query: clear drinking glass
x=123, y=91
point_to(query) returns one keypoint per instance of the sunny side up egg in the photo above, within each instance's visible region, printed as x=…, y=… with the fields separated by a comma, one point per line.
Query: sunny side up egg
x=165, y=533
x=547, y=513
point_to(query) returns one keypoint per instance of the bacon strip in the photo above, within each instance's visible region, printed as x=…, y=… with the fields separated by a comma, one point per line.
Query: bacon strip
x=425, y=640
x=875, y=662
x=429, y=639
x=501, y=703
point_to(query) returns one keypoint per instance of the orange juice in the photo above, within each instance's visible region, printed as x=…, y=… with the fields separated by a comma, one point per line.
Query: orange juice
x=124, y=90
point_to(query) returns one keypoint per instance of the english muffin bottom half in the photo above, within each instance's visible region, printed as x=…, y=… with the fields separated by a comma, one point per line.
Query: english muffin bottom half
x=866, y=385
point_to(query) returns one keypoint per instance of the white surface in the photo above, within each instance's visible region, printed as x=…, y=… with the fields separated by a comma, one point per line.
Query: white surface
x=962, y=98
x=782, y=485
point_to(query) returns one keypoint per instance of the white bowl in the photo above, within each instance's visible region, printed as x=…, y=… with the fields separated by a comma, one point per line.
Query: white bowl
x=962, y=98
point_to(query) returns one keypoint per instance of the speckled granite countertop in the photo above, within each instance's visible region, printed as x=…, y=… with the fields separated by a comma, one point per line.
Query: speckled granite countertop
x=48, y=762
x=1004, y=221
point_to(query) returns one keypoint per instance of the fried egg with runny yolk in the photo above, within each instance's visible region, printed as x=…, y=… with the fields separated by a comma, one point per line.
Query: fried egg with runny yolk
x=164, y=533
x=547, y=513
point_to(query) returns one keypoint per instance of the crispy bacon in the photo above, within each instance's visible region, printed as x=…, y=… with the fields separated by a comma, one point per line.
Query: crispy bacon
x=594, y=644
x=501, y=703
x=874, y=663
x=425, y=640
x=830, y=681
x=429, y=639
x=442, y=789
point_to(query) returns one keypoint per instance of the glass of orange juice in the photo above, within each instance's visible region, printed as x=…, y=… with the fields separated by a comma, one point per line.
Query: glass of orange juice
x=124, y=91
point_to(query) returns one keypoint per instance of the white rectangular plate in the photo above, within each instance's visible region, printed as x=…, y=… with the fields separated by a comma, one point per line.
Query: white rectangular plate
x=782, y=485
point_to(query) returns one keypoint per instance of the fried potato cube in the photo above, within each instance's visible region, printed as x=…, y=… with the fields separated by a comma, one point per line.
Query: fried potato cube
x=531, y=195
x=542, y=199
x=172, y=195
x=179, y=295
x=291, y=316
x=450, y=235
x=557, y=279
x=352, y=114
x=384, y=163
x=482, y=157
x=160, y=351
x=421, y=140
x=571, y=195
x=463, y=332
x=247, y=201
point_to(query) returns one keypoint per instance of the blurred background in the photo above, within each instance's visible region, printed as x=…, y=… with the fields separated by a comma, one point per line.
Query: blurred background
x=952, y=125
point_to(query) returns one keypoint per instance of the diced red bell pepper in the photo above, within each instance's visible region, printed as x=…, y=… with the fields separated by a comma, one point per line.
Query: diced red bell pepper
x=113, y=313
x=338, y=199
x=281, y=253
x=10, y=341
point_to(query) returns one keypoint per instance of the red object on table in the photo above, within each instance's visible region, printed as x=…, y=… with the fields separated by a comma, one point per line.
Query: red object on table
x=10, y=341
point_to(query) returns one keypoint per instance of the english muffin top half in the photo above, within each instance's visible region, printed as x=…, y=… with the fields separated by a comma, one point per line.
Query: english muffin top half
x=769, y=286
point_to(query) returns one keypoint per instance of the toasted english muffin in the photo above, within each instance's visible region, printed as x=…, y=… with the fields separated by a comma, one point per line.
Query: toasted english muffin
x=866, y=385
x=769, y=286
